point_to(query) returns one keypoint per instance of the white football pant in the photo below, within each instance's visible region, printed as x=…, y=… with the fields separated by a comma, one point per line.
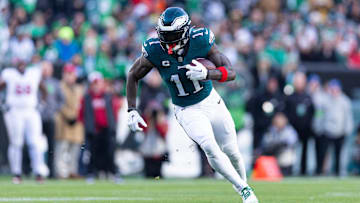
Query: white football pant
x=24, y=124
x=210, y=124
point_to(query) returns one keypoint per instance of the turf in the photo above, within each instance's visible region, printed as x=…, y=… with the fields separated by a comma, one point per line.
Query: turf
x=292, y=190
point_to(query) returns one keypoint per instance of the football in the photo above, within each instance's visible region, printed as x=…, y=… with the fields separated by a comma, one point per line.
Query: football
x=208, y=64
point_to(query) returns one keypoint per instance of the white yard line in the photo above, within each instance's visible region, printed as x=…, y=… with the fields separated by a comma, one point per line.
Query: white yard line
x=335, y=194
x=67, y=199
x=341, y=194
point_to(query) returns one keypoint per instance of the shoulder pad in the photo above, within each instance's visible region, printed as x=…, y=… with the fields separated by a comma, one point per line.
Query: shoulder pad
x=203, y=37
x=151, y=50
x=151, y=41
x=149, y=45
x=203, y=34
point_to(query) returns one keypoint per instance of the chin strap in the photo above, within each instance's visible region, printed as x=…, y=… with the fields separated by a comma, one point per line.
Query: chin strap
x=224, y=73
x=170, y=48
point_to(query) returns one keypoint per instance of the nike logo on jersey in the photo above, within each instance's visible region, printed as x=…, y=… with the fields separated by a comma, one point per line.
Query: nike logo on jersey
x=219, y=101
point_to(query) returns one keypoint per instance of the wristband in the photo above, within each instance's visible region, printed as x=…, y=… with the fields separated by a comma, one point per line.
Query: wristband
x=131, y=109
x=224, y=73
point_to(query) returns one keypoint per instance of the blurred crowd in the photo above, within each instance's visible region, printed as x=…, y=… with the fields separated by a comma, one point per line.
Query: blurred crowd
x=87, y=46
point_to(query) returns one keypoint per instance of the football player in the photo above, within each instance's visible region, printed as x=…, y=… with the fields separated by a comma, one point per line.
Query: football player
x=22, y=119
x=198, y=108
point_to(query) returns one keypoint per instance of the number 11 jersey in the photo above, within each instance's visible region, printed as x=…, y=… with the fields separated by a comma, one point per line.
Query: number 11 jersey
x=184, y=92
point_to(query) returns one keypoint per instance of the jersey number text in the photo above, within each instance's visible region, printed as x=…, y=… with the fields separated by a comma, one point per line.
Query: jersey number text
x=175, y=78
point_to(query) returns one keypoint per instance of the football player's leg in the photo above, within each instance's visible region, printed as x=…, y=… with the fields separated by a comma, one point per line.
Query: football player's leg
x=33, y=132
x=225, y=135
x=15, y=128
x=198, y=127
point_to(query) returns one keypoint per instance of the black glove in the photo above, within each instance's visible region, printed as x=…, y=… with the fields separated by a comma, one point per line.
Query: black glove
x=166, y=157
x=71, y=122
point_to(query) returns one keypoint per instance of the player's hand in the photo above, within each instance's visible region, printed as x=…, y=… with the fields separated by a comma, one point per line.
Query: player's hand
x=133, y=121
x=197, y=71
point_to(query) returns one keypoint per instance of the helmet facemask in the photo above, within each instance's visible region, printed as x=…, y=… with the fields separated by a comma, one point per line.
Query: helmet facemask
x=173, y=39
x=174, y=42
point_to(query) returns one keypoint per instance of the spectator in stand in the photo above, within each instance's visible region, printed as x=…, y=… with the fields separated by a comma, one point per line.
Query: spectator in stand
x=319, y=98
x=104, y=64
x=154, y=98
x=66, y=45
x=261, y=73
x=338, y=120
x=80, y=25
x=263, y=106
x=49, y=108
x=299, y=109
x=4, y=30
x=69, y=131
x=19, y=16
x=154, y=148
x=153, y=88
x=28, y=6
x=354, y=13
x=37, y=26
x=280, y=141
x=47, y=50
x=89, y=49
x=98, y=112
x=21, y=45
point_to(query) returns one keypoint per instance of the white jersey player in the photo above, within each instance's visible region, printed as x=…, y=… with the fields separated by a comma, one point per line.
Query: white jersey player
x=22, y=119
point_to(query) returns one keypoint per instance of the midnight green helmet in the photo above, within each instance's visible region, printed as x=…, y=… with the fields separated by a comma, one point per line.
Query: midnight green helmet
x=173, y=29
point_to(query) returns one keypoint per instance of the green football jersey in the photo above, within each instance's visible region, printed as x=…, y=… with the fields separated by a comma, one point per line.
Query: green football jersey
x=184, y=92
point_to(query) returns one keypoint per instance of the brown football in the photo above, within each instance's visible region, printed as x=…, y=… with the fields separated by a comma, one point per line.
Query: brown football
x=208, y=64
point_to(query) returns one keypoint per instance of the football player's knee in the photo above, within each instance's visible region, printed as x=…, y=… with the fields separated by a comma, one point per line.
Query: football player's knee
x=210, y=148
x=16, y=143
x=231, y=151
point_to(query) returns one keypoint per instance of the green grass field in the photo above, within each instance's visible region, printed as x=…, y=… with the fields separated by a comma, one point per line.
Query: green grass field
x=292, y=190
